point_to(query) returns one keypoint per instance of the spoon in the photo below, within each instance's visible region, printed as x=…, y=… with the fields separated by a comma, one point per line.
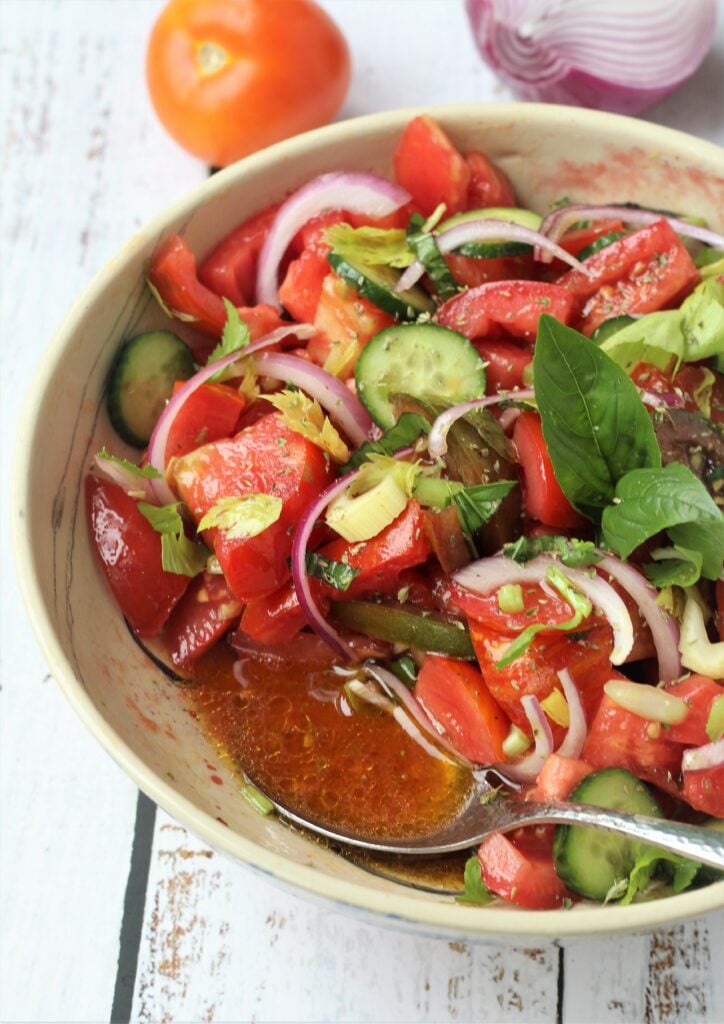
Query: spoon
x=482, y=816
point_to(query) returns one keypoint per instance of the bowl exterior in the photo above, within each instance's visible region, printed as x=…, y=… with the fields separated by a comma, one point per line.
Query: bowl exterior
x=127, y=701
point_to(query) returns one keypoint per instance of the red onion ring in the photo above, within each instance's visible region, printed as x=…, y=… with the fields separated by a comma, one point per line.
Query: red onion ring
x=572, y=745
x=556, y=223
x=342, y=404
x=711, y=755
x=530, y=767
x=664, y=628
x=480, y=230
x=159, y=437
x=437, y=438
x=131, y=482
x=659, y=399
x=357, y=192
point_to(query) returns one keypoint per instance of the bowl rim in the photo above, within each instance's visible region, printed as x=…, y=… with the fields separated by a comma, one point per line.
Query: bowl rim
x=399, y=908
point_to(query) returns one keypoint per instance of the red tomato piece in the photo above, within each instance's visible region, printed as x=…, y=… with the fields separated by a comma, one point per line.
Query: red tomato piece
x=526, y=878
x=699, y=693
x=210, y=413
x=429, y=166
x=506, y=364
x=489, y=186
x=277, y=618
x=230, y=268
x=558, y=778
x=301, y=289
x=310, y=237
x=265, y=458
x=345, y=322
x=454, y=695
x=543, y=497
x=129, y=549
x=539, y=608
x=472, y=272
x=640, y=273
x=202, y=616
x=619, y=739
x=576, y=239
x=512, y=306
x=704, y=790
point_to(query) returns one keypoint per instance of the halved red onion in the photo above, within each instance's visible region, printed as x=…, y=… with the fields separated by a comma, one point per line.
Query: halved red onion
x=572, y=745
x=353, y=191
x=437, y=438
x=489, y=574
x=530, y=767
x=483, y=230
x=557, y=222
x=159, y=437
x=132, y=483
x=664, y=628
x=711, y=755
x=343, y=406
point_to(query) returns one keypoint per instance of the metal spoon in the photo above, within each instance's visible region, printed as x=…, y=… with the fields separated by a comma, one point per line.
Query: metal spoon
x=481, y=816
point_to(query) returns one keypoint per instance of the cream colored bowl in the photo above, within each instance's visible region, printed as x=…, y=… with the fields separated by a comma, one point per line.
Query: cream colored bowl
x=122, y=697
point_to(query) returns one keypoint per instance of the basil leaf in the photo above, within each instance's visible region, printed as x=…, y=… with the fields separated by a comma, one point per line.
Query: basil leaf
x=426, y=250
x=595, y=426
x=673, y=499
x=409, y=427
x=336, y=574
x=476, y=892
x=651, y=860
x=476, y=505
x=573, y=553
x=674, y=567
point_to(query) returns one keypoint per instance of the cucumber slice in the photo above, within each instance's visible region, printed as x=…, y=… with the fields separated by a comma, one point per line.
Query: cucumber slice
x=428, y=362
x=141, y=382
x=377, y=284
x=405, y=625
x=591, y=862
x=600, y=243
x=610, y=327
x=491, y=249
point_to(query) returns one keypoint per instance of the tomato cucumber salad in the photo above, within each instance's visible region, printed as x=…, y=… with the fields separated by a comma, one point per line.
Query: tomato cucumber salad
x=431, y=485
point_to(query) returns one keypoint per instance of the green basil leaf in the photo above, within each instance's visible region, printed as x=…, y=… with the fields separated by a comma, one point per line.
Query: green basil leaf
x=595, y=426
x=409, y=427
x=476, y=892
x=651, y=860
x=476, y=505
x=674, y=567
x=573, y=553
x=337, y=574
x=427, y=252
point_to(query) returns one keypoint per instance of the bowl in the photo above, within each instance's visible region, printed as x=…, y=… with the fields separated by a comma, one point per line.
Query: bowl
x=120, y=694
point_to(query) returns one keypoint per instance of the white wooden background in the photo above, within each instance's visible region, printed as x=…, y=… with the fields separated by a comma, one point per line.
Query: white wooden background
x=110, y=910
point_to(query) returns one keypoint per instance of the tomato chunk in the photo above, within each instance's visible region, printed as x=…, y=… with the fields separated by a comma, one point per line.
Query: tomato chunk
x=558, y=777
x=429, y=166
x=265, y=458
x=210, y=413
x=576, y=239
x=526, y=878
x=472, y=272
x=512, y=306
x=704, y=790
x=202, y=616
x=699, y=693
x=506, y=364
x=230, y=268
x=129, y=549
x=489, y=186
x=301, y=289
x=345, y=322
x=538, y=608
x=454, y=695
x=543, y=498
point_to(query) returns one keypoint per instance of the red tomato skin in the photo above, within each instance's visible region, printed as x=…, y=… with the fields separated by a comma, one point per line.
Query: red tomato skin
x=202, y=616
x=454, y=695
x=525, y=878
x=265, y=458
x=543, y=498
x=511, y=306
x=619, y=739
x=472, y=272
x=699, y=693
x=230, y=268
x=558, y=777
x=129, y=550
x=506, y=364
x=209, y=414
x=704, y=791
x=539, y=608
x=489, y=186
x=301, y=288
x=344, y=319
x=429, y=166
x=576, y=239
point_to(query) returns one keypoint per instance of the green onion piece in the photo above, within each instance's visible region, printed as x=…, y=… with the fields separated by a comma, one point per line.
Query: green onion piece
x=405, y=669
x=516, y=742
x=336, y=574
x=715, y=721
x=256, y=798
x=510, y=598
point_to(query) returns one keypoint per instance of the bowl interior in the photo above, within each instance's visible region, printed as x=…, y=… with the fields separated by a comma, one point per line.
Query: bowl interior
x=136, y=712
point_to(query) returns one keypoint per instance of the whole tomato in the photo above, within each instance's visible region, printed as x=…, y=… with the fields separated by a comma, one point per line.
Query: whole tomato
x=228, y=77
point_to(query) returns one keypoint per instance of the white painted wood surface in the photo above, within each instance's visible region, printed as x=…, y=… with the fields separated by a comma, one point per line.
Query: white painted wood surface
x=83, y=164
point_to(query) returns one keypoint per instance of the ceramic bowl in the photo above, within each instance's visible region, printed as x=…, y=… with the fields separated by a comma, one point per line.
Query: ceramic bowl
x=123, y=698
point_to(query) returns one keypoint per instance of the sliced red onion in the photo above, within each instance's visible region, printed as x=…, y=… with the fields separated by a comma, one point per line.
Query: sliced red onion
x=659, y=399
x=664, y=628
x=623, y=55
x=357, y=192
x=437, y=438
x=530, y=767
x=344, y=408
x=481, y=230
x=159, y=438
x=489, y=574
x=711, y=755
x=132, y=483
x=557, y=222
x=572, y=745
x=508, y=417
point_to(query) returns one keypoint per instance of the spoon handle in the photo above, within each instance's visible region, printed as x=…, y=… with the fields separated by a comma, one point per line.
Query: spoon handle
x=693, y=841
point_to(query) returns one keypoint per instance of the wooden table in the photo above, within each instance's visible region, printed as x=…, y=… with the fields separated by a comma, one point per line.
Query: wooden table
x=110, y=909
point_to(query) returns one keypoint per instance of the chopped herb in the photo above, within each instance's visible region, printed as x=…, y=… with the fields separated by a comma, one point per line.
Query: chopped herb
x=428, y=253
x=405, y=669
x=336, y=574
x=476, y=505
x=573, y=553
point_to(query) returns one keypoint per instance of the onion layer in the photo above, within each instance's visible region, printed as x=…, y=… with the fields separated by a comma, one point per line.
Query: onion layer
x=711, y=755
x=530, y=767
x=572, y=745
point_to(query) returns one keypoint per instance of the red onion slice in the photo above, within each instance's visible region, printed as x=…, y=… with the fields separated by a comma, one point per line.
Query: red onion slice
x=357, y=192
x=711, y=755
x=530, y=767
x=344, y=408
x=662, y=400
x=572, y=745
x=664, y=628
x=482, y=230
x=437, y=438
x=556, y=223
x=132, y=483
x=159, y=437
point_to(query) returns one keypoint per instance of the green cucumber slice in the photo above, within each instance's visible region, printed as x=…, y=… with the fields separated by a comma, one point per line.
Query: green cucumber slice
x=492, y=249
x=428, y=362
x=600, y=243
x=591, y=862
x=610, y=327
x=377, y=284
x=141, y=382
x=406, y=625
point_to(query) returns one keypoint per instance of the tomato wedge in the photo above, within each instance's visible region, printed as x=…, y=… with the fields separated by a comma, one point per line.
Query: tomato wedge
x=704, y=790
x=699, y=693
x=345, y=322
x=512, y=306
x=205, y=612
x=506, y=364
x=526, y=878
x=230, y=268
x=301, y=289
x=429, y=166
x=210, y=413
x=489, y=186
x=542, y=495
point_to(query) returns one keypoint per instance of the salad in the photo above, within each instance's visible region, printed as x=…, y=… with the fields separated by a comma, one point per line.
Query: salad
x=429, y=484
